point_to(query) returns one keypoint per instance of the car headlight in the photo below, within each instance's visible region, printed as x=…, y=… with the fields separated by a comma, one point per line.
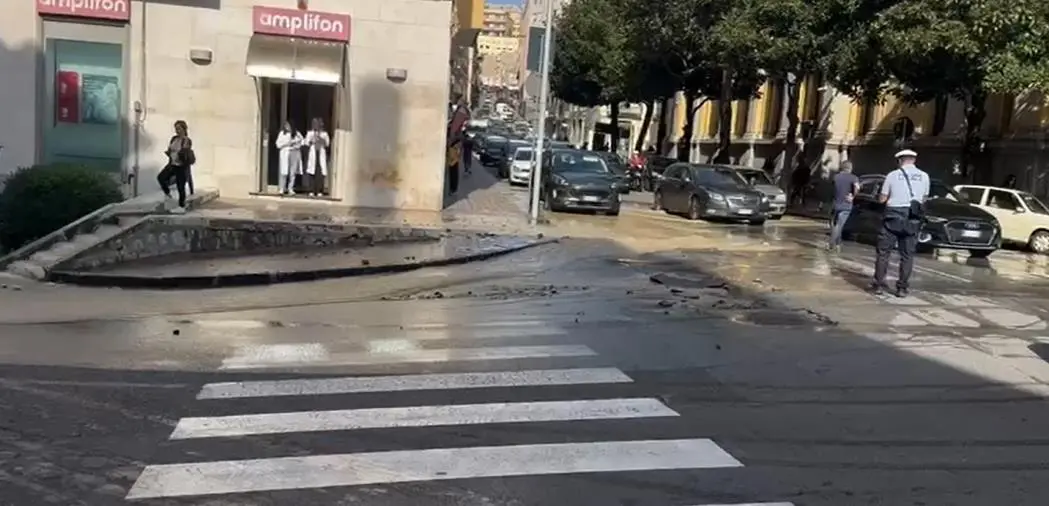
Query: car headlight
x=559, y=181
x=935, y=219
x=717, y=197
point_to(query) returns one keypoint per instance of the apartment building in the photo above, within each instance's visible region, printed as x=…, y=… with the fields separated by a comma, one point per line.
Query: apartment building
x=502, y=21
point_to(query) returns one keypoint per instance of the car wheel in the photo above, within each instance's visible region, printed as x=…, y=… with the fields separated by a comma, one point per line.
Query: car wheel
x=657, y=201
x=756, y=223
x=980, y=253
x=776, y=217
x=694, y=212
x=613, y=212
x=1039, y=242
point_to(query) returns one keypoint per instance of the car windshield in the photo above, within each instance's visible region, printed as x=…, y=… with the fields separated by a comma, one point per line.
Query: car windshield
x=523, y=154
x=939, y=190
x=755, y=177
x=577, y=162
x=1035, y=205
x=723, y=177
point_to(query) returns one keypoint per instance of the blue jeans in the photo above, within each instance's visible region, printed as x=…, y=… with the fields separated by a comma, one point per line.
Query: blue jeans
x=837, y=224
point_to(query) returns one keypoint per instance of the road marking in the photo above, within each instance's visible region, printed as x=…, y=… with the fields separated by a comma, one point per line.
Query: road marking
x=935, y=272
x=905, y=319
x=450, y=381
x=965, y=300
x=415, y=356
x=1012, y=319
x=909, y=300
x=296, y=473
x=419, y=416
x=752, y=504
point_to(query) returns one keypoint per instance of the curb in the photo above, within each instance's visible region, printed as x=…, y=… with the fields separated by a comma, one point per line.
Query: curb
x=271, y=278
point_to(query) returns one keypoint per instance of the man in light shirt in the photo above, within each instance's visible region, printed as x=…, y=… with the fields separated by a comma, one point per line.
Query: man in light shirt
x=903, y=193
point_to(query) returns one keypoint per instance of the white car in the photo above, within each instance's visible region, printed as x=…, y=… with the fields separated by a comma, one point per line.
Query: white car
x=1023, y=217
x=521, y=166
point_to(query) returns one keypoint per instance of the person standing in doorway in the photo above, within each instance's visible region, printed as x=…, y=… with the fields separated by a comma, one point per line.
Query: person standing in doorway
x=289, y=142
x=180, y=158
x=319, y=142
x=903, y=193
x=846, y=184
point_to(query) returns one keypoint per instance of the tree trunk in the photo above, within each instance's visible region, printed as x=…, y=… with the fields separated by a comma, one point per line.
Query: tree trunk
x=661, y=128
x=724, y=119
x=613, y=118
x=684, y=144
x=790, y=151
x=646, y=120
x=975, y=113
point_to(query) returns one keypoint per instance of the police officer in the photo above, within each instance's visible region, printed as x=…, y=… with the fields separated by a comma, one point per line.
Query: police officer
x=901, y=221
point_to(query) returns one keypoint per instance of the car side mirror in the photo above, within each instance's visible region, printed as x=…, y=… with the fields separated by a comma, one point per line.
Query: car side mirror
x=1019, y=210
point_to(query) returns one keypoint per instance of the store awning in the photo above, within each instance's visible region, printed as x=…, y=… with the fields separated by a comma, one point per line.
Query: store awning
x=292, y=59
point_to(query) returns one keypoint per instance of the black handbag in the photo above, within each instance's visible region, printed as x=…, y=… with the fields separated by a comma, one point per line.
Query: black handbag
x=916, y=211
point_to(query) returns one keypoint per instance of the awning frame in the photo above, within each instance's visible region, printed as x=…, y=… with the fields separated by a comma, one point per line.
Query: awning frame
x=296, y=59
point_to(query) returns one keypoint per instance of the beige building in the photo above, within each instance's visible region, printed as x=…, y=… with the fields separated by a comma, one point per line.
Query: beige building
x=502, y=21
x=1015, y=132
x=101, y=82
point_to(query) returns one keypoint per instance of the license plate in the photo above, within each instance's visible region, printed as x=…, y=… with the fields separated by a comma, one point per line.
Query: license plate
x=971, y=233
x=591, y=198
x=745, y=211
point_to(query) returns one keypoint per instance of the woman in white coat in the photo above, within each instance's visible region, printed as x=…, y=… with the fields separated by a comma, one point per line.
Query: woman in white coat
x=317, y=163
x=289, y=142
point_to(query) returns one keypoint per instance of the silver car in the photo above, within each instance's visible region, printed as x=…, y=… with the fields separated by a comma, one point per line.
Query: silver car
x=760, y=181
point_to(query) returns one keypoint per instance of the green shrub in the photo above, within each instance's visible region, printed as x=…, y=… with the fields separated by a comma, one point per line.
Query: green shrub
x=38, y=200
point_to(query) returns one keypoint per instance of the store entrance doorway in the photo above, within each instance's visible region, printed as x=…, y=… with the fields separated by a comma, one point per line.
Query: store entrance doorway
x=297, y=103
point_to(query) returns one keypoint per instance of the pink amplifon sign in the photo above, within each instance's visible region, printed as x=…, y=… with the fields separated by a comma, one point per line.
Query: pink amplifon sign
x=300, y=23
x=119, y=10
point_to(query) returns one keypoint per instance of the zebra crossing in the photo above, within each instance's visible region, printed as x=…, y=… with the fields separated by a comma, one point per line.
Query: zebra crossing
x=322, y=470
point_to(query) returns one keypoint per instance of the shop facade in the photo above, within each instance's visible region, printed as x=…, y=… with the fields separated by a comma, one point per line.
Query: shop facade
x=101, y=82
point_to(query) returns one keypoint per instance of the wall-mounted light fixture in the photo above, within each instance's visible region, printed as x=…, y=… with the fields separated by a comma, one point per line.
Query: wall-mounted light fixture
x=397, y=75
x=201, y=56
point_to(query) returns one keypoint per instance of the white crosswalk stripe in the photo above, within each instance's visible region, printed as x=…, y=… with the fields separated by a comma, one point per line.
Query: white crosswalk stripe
x=306, y=472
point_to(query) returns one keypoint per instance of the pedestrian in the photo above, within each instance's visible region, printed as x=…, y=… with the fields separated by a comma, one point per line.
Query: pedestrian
x=903, y=193
x=318, y=142
x=180, y=158
x=1010, y=182
x=289, y=142
x=846, y=184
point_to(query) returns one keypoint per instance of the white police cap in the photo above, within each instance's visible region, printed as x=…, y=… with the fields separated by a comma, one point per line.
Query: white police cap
x=906, y=153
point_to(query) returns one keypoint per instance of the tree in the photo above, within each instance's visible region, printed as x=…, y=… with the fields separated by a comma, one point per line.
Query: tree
x=594, y=59
x=787, y=40
x=923, y=49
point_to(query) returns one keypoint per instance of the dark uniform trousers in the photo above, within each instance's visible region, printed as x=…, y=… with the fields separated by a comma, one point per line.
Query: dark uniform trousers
x=897, y=231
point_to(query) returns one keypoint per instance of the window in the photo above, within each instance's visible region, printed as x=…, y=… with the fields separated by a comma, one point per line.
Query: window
x=870, y=187
x=673, y=172
x=939, y=116
x=719, y=177
x=1035, y=205
x=523, y=154
x=938, y=190
x=972, y=194
x=999, y=199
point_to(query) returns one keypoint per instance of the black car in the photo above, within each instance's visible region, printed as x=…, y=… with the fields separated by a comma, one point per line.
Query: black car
x=618, y=167
x=951, y=222
x=709, y=191
x=493, y=149
x=655, y=165
x=578, y=180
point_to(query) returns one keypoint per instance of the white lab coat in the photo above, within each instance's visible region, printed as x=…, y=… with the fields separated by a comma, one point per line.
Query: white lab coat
x=318, y=143
x=290, y=146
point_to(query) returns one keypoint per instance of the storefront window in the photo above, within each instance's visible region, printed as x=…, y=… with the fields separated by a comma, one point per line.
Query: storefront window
x=85, y=104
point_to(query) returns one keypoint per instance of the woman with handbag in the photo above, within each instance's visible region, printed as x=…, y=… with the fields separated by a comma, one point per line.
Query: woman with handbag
x=180, y=159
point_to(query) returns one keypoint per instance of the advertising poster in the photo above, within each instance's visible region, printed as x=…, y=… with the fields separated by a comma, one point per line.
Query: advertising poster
x=67, y=97
x=101, y=99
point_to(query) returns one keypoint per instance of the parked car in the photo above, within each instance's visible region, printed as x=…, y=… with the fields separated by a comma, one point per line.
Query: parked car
x=951, y=221
x=709, y=191
x=491, y=149
x=618, y=167
x=505, y=159
x=655, y=165
x=1024, y=219
x=521, y=166
x=760, y=181
x=578, y=180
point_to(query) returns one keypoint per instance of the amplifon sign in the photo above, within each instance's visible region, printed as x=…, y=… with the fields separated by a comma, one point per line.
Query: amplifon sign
x=96, y=9
x=301, y=23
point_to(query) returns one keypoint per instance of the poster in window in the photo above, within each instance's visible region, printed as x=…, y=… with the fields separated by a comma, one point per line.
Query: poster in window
x=101, y=97
x=67, y=97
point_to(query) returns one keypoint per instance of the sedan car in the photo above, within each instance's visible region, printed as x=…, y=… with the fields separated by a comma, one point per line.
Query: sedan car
x=760, y=181
x=521, y=166
x=578, y=181
x=618, y=167
x=493, y=149
x=951, y=221
x=710, y=191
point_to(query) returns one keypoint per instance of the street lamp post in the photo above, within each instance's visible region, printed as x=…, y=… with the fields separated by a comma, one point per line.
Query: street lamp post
x=544, y=88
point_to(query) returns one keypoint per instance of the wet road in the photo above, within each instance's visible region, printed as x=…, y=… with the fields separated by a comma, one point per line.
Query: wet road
x=680, y=364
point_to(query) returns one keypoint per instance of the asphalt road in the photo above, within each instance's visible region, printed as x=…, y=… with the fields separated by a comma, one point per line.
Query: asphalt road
x=684, y=364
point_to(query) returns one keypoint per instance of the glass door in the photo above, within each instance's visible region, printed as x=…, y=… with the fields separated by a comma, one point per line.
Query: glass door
x=274, y=113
